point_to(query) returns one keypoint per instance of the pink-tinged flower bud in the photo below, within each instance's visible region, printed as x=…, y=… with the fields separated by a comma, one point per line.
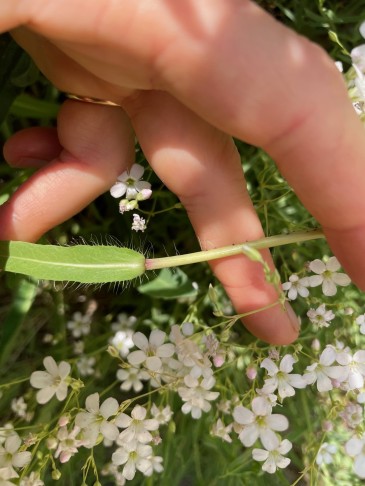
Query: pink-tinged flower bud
x=251, y=372
x=64, y=420
x=219, y=360
x=144, y=194
x=336, y=383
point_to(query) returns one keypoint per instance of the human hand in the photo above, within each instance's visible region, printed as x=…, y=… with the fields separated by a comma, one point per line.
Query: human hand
x=187, y=74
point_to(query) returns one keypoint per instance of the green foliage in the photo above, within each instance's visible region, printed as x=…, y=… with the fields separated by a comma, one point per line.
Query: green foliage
x=80, y=263
x=169, y=284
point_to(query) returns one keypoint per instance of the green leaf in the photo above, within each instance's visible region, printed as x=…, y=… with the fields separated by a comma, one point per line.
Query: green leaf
x=11, y=326
x=16, y=69
x=169, y=284
x=29, y=107
x=79, y=263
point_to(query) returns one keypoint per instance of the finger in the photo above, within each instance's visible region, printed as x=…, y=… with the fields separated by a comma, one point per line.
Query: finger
x=201, y=165
x=32, y=148
x=266, y=85
x=97, y=145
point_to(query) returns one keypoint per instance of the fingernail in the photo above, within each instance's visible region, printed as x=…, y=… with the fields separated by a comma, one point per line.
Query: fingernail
x=292, y=317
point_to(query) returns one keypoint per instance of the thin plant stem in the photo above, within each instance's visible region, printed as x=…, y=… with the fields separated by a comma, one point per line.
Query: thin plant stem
x=227, y=251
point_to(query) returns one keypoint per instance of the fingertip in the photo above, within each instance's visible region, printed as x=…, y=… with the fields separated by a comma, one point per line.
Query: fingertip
x=277, y=325
x=32, y=147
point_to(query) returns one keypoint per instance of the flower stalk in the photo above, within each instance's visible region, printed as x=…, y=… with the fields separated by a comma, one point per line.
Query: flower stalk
x=231, y=250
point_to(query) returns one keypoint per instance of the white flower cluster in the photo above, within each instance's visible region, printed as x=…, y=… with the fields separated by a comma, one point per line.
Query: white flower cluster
x=336, y=368
x=326, y=274
x=134, y=190
x=182, y=361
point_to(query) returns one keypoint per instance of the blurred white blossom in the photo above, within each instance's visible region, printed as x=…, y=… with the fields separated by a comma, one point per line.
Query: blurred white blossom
x=53, y=381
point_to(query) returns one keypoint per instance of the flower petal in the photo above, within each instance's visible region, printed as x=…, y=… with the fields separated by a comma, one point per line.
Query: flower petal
x=140, y=341
x=139, y=413
x=317, y=266
x=333, y=265
x=136, y=171
x=243, y=415
x=109, y=431
x=329, y=288
x=118, y=189
x=43, y=396
x=41, y=379
x=249, y=435
x=135, y=358
x=92, y=403
x=260, y=454
x=64, y=369
x=157, y=338
x=109, y=407
x=51, y=365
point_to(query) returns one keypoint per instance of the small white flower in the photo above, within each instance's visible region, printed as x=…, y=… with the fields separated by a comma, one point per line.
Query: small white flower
x=85, y=365
x=95, y=420
x=320, y=316
x=79, y=325
x=352, y=415
x=67, y=444
x=138, y=224
x=123, y=322
x=136, y=426
x=19, y=407
x=129, y=183
x=360, y=320
x=260, y=423
x=355, y=447
x=325, y=453
x=222, y=431
x=155, y=465
x=328, y=276
x=324, y=372
x=123, y=342
x=273, y=457
x=52, y=382
x=10, y=457
x=355, y=366
x=162, y=415
x=132, y=378
x=281, y=377
x=135, y=456
x=151, y=350
x=296, y=286
x=196, y=394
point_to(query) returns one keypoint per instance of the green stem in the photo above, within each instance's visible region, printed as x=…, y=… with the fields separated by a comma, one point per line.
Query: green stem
x=226, y=251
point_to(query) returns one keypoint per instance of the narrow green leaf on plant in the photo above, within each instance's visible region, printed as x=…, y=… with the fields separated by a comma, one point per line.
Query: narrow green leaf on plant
x=80, y=263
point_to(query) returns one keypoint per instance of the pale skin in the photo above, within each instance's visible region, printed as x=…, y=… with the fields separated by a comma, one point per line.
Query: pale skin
x=189, y=76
